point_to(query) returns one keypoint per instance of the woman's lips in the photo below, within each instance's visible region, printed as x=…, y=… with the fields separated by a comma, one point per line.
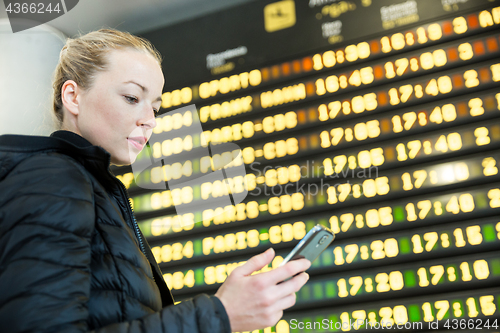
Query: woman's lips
x=137, y=142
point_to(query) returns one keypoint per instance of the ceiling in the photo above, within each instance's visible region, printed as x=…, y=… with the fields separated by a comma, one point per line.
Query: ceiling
x=135, y=16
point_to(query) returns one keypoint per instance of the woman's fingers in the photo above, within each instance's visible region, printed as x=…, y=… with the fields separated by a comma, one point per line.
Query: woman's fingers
x=291, y=286
x=257, y=301
x=255, y=263
x=286, y=302
x=290, y=269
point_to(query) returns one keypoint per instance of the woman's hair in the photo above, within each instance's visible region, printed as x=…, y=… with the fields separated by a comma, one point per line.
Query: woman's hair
x=83, y=57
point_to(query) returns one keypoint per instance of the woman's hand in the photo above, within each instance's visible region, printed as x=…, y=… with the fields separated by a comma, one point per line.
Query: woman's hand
x=257, y=301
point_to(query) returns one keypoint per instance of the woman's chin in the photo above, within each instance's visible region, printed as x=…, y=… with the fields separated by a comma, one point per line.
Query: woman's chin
x=124, y=160
x=120, y=163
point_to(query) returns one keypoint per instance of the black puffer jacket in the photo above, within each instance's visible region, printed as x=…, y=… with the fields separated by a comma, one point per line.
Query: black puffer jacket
x=72, y=258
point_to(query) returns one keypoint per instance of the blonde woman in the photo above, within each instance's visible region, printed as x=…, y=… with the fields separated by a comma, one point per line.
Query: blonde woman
x=72, y=258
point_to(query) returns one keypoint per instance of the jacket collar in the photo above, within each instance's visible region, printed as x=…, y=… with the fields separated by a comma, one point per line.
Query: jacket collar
x=94, y=158
x=82, y=146
x=71, y=138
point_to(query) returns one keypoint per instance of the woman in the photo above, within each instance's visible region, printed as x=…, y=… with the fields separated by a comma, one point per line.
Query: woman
x=72, y=258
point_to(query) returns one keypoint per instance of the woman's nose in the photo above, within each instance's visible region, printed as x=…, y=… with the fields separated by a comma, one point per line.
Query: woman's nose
x=149, y=119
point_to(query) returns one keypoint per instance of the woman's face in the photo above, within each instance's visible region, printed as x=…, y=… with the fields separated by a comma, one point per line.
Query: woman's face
x=118, y=111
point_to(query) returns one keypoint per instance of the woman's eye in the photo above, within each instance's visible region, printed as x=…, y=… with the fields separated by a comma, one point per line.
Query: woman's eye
x=131, y=99
x=156, y=112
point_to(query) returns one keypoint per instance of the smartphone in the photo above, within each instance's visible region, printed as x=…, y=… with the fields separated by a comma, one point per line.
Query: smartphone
x=311, y=246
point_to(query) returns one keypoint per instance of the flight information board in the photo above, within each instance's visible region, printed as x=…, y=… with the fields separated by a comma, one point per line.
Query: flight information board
x=377, y=119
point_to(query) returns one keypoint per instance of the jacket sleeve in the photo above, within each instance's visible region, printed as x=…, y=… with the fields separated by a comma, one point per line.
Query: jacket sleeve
x=46, y=223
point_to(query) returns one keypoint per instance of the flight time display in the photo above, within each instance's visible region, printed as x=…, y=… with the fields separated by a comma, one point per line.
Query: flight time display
x=389, y=139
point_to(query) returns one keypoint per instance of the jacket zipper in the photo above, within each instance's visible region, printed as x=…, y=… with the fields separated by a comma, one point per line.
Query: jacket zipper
x=131, y=214
x=136, y=226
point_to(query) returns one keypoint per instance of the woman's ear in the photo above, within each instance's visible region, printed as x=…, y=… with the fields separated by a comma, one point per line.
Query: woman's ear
x=69, y=97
